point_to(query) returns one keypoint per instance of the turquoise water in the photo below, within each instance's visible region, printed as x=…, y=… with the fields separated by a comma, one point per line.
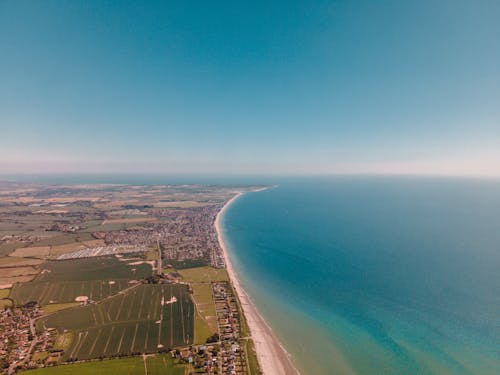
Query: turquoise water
x=375, y=275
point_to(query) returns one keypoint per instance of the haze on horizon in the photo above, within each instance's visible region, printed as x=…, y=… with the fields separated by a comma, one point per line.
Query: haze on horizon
x=291, y=87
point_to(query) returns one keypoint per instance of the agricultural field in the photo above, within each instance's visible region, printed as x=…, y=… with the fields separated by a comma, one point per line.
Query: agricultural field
x=52, y=247
x=12, y=261
x=56, y=292
x=118, y=312
x=186, y=263
x=4, y=293
x=204, y=274
x=49, y=309
x=181, y=204
x=12, y=275
x=205, y=320
x=97, y=268
x=63, y=281
x=155, y=365
x=7, y=248
x=142, y=320
x=32, y=251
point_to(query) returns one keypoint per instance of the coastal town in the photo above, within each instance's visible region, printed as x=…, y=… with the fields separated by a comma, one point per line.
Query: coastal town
x=70, y=251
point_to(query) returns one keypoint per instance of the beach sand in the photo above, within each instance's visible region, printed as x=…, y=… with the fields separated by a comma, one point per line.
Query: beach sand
x=273, y=358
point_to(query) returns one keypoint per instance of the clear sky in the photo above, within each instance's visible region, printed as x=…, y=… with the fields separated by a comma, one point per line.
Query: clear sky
x=250, y=86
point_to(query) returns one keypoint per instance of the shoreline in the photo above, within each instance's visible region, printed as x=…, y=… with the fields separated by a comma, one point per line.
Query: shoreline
x=272, y=357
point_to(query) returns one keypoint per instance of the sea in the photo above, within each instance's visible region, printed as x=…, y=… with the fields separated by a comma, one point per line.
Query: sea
x=366, y=274
x=375, y=275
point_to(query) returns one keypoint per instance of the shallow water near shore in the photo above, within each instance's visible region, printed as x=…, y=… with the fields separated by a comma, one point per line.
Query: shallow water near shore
x=375, y=275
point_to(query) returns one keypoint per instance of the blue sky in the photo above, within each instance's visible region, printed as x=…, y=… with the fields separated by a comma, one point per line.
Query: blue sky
x=253, y=87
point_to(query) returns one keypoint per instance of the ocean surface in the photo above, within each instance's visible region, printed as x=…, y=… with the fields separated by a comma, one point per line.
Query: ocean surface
x=375, y=275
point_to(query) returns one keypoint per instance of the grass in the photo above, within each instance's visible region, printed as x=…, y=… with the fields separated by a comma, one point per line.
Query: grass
x=53, y=307
x=64, y=340
x=125, y=366
x=4, y=293
x=61, y=239
x=164, y=364
x=202, y=330
x=156, y=365
x=63, y=292
x=63, y=281
x=203, y=296
x=152, y=255
x=205, y=323
x=251, y=356
x=97, y=268
x=134, y=322
x=188, y=263
x=204, y=274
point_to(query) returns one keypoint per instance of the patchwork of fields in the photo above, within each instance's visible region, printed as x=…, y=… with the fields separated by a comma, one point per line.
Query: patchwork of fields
x=98, y=268
x=142, y=320
x=63, y=281
x=48, y=292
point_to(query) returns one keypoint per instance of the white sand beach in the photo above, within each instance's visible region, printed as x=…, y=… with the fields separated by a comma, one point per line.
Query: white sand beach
x=273, y=358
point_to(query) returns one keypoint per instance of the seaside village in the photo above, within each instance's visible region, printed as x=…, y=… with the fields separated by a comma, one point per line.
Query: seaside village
x=178, y=237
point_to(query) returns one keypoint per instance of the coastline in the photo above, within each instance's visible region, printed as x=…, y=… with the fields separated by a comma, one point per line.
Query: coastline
x=272, y=356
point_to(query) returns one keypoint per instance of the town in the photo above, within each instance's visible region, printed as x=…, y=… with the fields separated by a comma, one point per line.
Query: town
x=66, y=251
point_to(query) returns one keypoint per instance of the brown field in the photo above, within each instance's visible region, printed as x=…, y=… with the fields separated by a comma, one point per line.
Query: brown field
x=18, y=271
x=9, y=281
x=34, y=251
x=12, y=275
x=130, y=220
x=5, y=303
x=10, y=261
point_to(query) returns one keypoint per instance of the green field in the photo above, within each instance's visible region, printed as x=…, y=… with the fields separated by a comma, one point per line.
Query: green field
x=156, y=365
x=63, y=281
x=205, y=324
x=134, y=322
x=163, y=364
x=187, y=263
x=49, y=292
x=97, y=268
x=251, y=356
x=49, y=309
x=204, y=274
x=62, y=239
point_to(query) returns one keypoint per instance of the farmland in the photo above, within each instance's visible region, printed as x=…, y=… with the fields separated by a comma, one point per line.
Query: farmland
x=60, y=242
x=140, y=321
x=63, y=281
x=99, y=268
x=204, y=274
x=155, y=365
x=205, y=323
x=48, y=292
